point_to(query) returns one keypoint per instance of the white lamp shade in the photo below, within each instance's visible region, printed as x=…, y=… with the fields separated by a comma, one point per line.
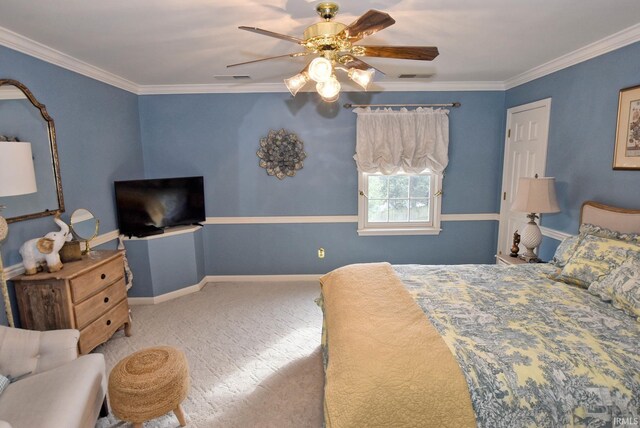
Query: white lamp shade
x=17, y=176
x=536, y=195
x=362, y=77
x=295, y=83
x=320, y=69
x=329, y=90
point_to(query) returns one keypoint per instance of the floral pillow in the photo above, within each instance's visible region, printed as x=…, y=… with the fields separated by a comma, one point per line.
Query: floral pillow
x=594, y=258
x=565, y=250
x=591, y=229
x=621, y=286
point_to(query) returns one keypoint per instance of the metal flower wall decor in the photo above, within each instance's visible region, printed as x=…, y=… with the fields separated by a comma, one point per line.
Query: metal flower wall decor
x=281, y=153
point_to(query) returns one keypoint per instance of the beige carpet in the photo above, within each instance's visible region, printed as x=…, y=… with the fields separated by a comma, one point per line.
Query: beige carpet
x=253, y=352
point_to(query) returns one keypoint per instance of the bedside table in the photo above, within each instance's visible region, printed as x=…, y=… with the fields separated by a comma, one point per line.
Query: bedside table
x=502, y=259
x=89, y=295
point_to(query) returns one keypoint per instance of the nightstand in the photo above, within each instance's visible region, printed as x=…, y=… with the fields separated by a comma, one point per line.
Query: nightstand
x=502, y=259
x=89, y=295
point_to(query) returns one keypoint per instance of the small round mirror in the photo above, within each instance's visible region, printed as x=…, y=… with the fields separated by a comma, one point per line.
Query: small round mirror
x=84, y=226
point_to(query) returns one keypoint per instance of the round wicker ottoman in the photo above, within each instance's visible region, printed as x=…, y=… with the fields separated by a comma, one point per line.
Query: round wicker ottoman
x=149, y=383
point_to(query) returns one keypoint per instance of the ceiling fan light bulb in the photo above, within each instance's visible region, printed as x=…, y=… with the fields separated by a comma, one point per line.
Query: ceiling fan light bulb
x=297, y=82
x=330, y=89
x=362, y=77
x=320, y=69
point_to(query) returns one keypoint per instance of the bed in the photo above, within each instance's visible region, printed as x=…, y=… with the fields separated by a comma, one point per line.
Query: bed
x=530, y=345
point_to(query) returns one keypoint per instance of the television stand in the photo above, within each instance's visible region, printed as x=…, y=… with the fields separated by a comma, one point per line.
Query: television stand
x=167, y=263
x=147, y=232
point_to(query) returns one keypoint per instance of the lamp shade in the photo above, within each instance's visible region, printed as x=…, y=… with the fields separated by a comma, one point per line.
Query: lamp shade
x=320, y=69
x=17, y=176
x=362, y=77
x=297, y=82
x=536, y=195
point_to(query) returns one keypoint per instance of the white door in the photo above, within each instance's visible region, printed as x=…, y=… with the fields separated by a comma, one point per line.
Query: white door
x=525, y=155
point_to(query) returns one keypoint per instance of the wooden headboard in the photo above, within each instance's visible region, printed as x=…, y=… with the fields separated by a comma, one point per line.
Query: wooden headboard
x=619, y=219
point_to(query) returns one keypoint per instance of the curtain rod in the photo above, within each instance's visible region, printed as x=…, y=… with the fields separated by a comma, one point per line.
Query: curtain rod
x=349, y=105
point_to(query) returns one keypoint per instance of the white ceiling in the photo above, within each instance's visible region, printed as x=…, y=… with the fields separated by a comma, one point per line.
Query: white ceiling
x=189, y=42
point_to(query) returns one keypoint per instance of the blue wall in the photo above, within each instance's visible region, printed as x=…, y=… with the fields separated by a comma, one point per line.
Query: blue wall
x=103, y=133
x=217, y=136
x=582, y=133
x=98, y=140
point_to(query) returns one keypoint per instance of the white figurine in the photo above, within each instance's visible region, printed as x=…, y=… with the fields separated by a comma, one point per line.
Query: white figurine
x=47, y=248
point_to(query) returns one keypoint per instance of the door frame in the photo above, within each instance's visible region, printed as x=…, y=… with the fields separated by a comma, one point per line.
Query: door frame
x=546, y=103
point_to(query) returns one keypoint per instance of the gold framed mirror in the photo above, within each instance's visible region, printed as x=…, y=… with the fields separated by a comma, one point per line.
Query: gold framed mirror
x=24, y=118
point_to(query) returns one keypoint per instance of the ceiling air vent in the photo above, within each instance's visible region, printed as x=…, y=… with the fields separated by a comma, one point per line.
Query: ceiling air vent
x=232, y=77
x=414, y=76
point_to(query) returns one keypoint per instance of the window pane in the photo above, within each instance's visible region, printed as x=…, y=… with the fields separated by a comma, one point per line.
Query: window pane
x=377, y=187
x=398, y=186
x=420, y=186
x=419, y=210
x=398, y=210
x=378, y=211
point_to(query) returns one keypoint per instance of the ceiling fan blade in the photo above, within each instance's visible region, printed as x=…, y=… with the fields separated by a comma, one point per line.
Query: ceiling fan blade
x=349, y=61
x=272, y=34
x=421, y=53
x=369, y=23
x=291, y=55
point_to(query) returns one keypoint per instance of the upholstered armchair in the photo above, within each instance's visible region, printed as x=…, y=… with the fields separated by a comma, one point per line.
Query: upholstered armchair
x=50, y=386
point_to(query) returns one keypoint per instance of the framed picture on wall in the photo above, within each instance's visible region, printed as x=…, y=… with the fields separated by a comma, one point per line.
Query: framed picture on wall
x=626, y=154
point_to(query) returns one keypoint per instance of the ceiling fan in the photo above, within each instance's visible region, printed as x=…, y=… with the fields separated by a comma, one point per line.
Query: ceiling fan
x=333, y=43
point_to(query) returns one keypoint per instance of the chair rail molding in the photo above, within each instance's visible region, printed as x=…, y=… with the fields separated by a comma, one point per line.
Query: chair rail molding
x=554, y=234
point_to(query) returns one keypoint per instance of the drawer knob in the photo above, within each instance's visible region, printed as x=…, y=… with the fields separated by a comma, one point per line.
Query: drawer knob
x=106, y=300
x=103, y=276
x=108, y=322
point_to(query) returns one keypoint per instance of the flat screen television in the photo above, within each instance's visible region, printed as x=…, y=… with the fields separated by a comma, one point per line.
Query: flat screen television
x=148, y=207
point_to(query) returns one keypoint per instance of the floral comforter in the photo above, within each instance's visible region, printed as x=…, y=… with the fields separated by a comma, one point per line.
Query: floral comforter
x=534, y=352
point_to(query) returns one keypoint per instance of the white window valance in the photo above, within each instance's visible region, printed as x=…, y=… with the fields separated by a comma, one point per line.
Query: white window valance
x=413, y=141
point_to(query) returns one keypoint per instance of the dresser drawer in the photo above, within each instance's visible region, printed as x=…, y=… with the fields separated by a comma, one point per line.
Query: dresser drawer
x=100, y=303
x=103, y=328
x=96, y=279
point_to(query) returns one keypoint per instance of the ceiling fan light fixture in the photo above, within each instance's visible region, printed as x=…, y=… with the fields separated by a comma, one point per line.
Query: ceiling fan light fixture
x=329, y=90
x=297, y=82
x=320, y=69
x=331, y=100
x=362, y=77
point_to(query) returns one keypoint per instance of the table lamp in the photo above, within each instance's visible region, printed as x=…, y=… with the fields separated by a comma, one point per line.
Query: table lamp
x=534, y=195
x=17, y=177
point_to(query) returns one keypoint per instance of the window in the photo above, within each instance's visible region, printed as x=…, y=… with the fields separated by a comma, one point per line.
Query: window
x=399, y=204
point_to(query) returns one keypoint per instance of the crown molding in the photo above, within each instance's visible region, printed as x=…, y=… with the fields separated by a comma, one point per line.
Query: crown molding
x=610, y=43
x=221, y=88
x=45, y=53
x=35, y=49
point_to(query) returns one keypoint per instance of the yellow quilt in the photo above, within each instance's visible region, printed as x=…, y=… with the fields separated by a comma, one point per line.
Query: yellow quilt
x=387, y=365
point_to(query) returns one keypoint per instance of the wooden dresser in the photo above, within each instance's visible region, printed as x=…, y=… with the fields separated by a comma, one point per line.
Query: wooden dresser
x=88, y=295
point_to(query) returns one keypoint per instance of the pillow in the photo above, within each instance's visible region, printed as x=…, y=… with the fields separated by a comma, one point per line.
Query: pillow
x=591, y=229
x=594, y=258
x=4, y=382
x=565, y=250
x=621, y=286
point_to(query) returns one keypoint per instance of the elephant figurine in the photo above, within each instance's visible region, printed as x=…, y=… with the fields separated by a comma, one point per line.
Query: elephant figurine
x=46, y=247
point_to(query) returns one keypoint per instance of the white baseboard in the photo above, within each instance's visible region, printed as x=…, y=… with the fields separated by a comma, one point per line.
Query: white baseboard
x=167, y=296
x=265, y=278
x=219, y=279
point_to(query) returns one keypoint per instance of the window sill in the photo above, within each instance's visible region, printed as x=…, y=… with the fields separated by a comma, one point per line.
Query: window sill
x=407, y=231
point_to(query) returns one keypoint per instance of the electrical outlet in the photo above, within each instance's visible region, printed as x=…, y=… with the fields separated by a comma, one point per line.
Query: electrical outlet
x=321, y=253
